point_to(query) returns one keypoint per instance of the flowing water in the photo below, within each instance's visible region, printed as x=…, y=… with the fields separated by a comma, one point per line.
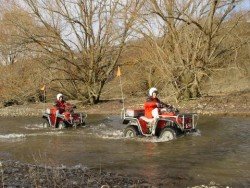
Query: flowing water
x=219, y=152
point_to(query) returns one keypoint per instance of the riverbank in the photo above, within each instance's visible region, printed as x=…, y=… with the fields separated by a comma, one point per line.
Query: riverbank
x=15, y=174
x=224, y=104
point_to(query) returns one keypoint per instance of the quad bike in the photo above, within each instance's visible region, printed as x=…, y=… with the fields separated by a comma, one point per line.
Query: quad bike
x=52, y=117
x=168, y=126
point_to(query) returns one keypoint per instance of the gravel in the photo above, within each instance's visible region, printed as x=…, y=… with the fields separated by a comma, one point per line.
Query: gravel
x=16, y=174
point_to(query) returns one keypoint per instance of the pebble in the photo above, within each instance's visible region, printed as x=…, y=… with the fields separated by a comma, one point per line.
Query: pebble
x=25, y=175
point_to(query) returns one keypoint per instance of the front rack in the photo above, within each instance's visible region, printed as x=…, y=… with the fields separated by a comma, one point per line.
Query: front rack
x=181, y=119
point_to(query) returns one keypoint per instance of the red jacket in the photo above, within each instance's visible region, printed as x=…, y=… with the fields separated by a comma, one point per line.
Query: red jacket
x=60, y=106
x=149, y=105
x=153, y=103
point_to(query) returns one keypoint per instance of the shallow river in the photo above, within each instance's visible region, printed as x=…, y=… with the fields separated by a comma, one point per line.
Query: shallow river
x=219, y=152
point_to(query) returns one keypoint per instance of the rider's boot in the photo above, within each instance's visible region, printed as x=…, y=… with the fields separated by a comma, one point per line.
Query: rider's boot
x=151, y=127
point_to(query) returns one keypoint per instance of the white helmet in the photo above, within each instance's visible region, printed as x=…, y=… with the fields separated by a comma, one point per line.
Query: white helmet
x=58, y=96
x=152, y=90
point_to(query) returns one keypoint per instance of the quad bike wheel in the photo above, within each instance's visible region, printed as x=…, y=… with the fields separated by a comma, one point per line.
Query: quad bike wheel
x=45, y=123
x=167, y=134
x=61, y=125
x=130, y=132
x=83, y=124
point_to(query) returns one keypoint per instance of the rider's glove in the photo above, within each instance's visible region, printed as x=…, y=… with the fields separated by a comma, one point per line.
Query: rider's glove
x=160, y=105
x=174, y=110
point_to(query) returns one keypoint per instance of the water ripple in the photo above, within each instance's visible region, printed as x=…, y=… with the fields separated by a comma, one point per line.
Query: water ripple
x=18, y=137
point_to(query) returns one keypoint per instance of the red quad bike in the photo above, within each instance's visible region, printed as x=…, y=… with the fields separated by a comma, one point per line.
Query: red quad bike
x=168, y=126
x=53, y=119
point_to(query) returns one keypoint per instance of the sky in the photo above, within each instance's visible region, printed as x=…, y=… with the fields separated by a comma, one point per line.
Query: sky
x=246, y=5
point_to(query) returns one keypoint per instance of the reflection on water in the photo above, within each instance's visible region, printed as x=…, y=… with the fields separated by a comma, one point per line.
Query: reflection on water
x=218, y=152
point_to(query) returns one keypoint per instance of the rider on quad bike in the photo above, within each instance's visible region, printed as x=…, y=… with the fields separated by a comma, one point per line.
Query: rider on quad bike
x=62, y=115
x=154, y=107
x=60, y=103
x=157, y=119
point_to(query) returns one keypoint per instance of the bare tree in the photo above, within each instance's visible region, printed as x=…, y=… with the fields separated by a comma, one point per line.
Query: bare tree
x=80, y=41
x=20, y=77
x=190, y=43
x=10, y=47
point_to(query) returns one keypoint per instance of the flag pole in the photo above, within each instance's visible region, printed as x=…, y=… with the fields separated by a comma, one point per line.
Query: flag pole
x=120, y=79
x=122, y=94
x=44, y=97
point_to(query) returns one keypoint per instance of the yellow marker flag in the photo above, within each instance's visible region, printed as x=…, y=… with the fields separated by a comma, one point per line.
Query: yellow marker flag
x=118, y=72
x=43, y=88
